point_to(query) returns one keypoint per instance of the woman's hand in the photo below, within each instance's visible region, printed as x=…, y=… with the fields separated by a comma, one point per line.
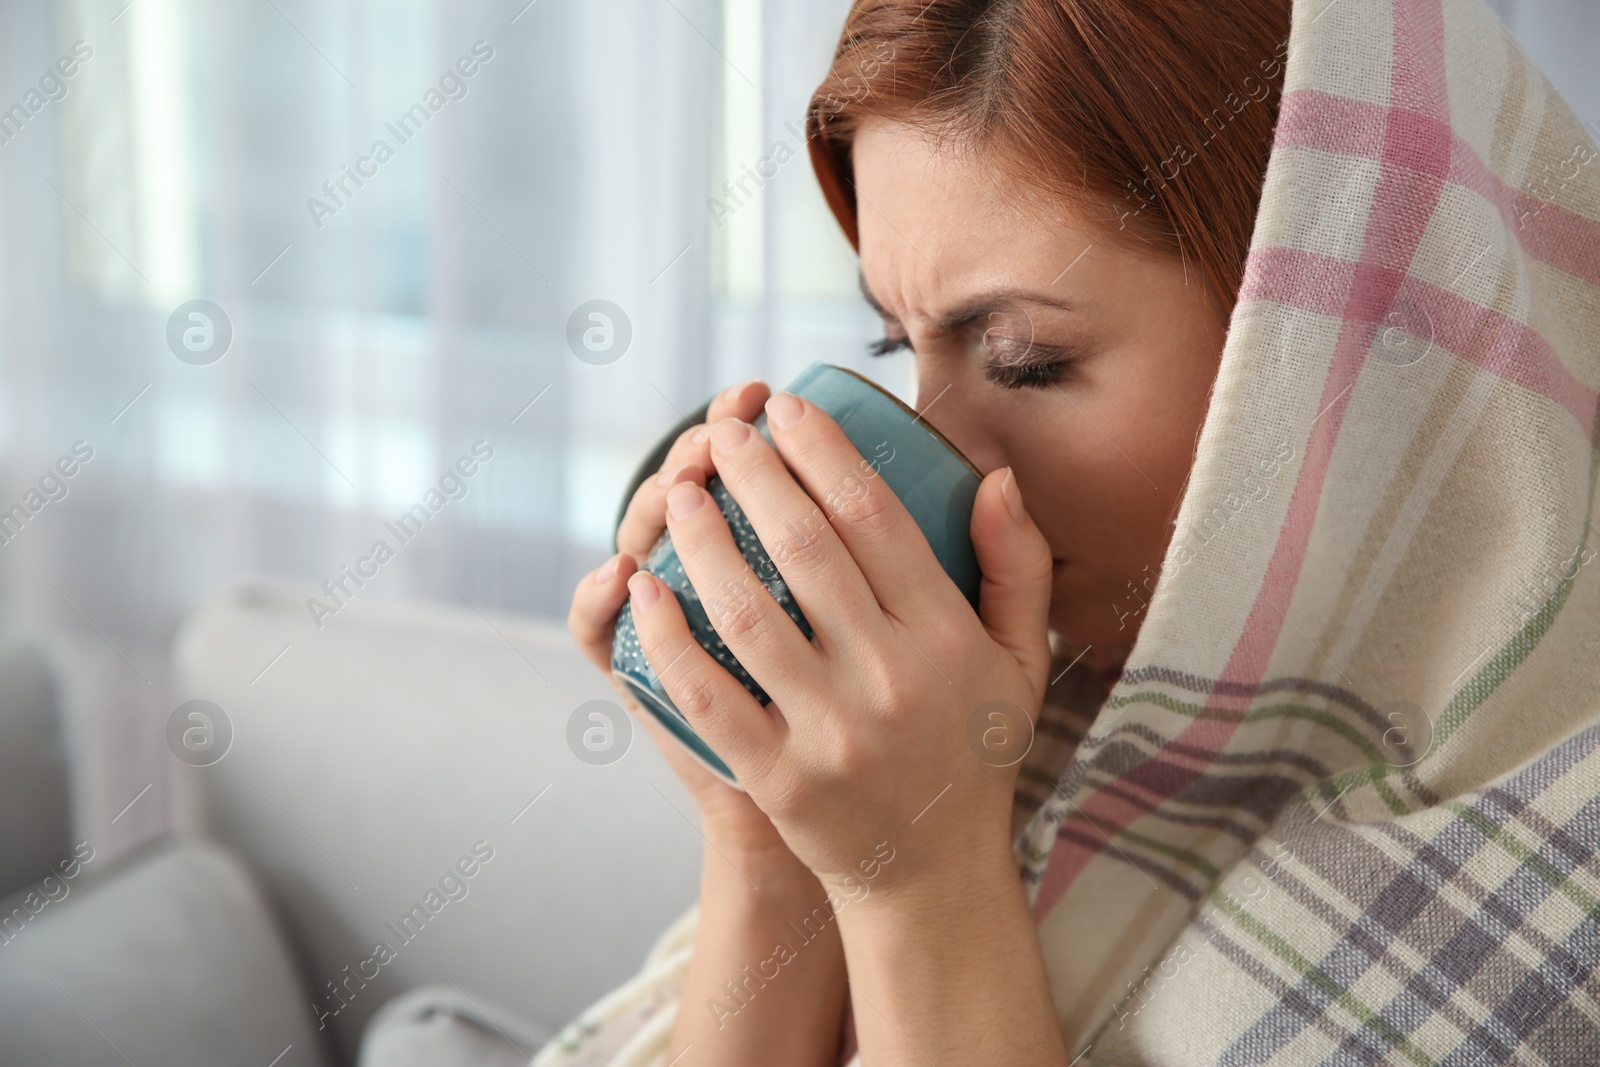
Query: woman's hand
x=868, y=730
x=728, y=815
x=752, y=887
x=872, y=759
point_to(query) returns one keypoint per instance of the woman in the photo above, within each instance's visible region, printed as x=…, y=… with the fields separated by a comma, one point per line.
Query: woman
x=1278, y=347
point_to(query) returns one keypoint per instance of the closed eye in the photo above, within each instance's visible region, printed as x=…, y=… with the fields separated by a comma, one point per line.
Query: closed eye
x=1031, y=374
x=883, y=346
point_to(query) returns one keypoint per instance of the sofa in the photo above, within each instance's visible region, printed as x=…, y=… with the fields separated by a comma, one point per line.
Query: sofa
x=383, y=809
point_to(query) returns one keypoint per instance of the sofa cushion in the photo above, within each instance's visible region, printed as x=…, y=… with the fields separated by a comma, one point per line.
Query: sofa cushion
x=172, y=959
x=378, y=752
x=35, y=798
x=442, y=1026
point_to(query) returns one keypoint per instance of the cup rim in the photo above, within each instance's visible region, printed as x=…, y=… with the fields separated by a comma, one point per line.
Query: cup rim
x=916, y=417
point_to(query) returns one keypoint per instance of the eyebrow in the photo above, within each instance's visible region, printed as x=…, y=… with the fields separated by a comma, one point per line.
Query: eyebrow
x=977, y=307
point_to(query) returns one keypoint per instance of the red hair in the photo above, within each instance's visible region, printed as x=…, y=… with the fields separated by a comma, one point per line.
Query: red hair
x=1152, y=117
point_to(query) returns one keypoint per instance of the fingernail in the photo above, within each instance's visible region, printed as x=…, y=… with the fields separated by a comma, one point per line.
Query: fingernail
x=783, y=409
x=684, y=498
x=729, y=434
x=1013, y=495
x=642, y=590
x=607, y=570
x=664, y=479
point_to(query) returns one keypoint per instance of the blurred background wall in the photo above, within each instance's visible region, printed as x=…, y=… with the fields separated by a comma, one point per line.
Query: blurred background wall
x=379, y=325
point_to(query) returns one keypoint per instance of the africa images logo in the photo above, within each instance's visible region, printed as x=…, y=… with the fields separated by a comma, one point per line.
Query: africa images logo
x=54, y=85
x=453, y=885
x=452, y=486
x=340, y=189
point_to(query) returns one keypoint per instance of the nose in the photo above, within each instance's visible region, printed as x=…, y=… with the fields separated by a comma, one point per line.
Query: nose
x=946, y=405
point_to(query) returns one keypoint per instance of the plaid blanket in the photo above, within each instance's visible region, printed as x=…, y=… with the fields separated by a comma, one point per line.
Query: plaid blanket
x=1343, y=804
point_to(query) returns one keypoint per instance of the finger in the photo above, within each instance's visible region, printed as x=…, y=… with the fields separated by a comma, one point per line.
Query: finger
x=1014, y=599
x=643, y=521
x=593, y=616
x=814, y=563
x=751, y=623
x=742, y=401
x=645, y=518
x=721, y=710
x=887, y=545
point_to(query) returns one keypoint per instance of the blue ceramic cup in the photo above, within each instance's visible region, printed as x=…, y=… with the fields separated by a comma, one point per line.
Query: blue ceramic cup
x=935, y=482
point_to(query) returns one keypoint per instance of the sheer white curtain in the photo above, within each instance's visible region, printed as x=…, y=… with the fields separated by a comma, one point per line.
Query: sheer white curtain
x=389, y=307
x=381, y=325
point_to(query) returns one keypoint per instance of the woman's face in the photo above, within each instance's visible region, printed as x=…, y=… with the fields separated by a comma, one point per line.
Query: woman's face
x=1084, y=365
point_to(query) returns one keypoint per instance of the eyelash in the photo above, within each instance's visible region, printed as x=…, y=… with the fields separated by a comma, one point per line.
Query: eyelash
x=885, y=345
x=1008, y=376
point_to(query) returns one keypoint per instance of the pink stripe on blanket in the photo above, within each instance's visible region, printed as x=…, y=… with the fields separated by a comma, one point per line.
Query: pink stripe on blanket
x=1548, y=233
x=1487, y=339
x=1414, y=161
